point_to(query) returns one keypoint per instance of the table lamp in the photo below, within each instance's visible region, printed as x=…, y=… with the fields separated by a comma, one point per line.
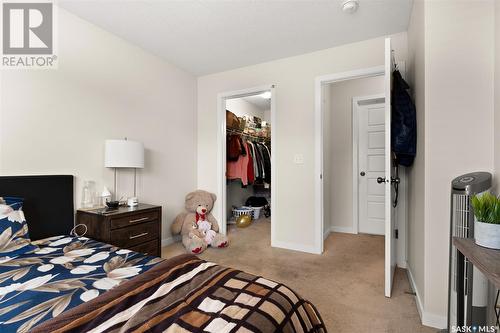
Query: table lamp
x=124, y=154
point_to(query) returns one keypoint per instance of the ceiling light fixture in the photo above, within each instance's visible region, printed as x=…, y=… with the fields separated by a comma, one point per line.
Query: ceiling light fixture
x=350, y=6
x=266, y=95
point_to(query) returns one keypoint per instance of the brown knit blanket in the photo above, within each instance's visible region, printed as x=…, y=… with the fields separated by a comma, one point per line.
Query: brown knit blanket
x=187, y=294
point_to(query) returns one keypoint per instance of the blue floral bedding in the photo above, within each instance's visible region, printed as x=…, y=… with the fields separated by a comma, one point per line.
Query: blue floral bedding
x=63, y=273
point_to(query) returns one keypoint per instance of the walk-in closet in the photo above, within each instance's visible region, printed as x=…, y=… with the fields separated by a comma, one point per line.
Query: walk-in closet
x=248, y=160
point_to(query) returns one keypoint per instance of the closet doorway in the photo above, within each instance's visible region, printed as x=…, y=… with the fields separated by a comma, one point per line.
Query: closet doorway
x=246, y=157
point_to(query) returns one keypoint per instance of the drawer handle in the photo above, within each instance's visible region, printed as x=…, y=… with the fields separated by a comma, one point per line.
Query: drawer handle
x=139, y=235
x=138, y=220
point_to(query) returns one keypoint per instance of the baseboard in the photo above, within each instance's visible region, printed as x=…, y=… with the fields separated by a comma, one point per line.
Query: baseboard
x=427, y=319
x=435, y=321
x=167, y=241
x=402, y=264
x=413, y=286
x=295, y=247
x=326, y=233
x=345, y=230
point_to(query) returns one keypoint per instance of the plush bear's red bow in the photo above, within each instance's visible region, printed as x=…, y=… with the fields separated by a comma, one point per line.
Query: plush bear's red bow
x=200, y=217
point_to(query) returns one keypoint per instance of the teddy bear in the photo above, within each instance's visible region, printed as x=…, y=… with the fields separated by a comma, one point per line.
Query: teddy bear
x=198, y=227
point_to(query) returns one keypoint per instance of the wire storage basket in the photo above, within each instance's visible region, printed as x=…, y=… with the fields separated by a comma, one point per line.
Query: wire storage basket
x=238, y=211
x=256, y=211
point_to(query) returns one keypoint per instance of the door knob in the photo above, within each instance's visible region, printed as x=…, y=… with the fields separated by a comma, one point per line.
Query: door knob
x=381, y=180
x=362, y=173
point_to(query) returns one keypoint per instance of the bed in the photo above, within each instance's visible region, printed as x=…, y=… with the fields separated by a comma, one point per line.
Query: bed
x=76, y=284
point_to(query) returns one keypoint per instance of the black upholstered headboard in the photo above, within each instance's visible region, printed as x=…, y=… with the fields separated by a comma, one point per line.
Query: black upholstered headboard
x=48, y=202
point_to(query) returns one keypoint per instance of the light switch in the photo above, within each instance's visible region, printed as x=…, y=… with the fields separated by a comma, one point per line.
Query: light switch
x=298, y=159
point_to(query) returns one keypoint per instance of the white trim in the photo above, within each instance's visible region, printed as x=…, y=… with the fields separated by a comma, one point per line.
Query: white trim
x=295, y=247
x=433, y=320
x=344, y=230
x=427, y=319
x=390, y=262
x=318, y=142
x=355, y=165
x=413, y=286
x=402, y=218
x=318, y=167
x=350, y=75
x=355, y=160
x=221, y=152
x=274, y=178
x=326, y=233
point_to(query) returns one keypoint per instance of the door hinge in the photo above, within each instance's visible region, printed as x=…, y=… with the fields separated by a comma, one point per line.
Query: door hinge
x=396, y=233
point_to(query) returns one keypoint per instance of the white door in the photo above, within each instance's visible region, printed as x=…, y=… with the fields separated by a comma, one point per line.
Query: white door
x=390, y=211
x=370, y=113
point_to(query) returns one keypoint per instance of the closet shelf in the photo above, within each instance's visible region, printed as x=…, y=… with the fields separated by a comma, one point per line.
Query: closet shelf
x=247, y=135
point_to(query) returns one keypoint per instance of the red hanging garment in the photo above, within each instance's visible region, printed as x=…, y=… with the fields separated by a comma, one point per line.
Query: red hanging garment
x=250, y=170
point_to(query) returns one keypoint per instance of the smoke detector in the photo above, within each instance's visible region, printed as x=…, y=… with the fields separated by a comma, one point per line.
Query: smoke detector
x=350, y=6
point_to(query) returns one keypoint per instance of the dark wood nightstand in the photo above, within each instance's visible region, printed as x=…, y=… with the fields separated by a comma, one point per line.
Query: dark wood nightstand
x=135, y=228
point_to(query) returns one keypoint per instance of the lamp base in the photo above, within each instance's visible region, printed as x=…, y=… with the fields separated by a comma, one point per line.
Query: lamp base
x=132, y=202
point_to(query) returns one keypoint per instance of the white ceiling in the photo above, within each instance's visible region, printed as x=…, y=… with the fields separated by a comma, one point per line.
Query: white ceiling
x=263, y=104
x=208, y=36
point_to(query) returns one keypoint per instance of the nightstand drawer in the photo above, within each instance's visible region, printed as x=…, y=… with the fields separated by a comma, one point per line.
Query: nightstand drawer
x=149, y=248
x=133, y=219
x=134, y=235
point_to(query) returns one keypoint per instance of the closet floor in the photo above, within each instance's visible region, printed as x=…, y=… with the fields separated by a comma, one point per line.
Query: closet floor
x=346, y=283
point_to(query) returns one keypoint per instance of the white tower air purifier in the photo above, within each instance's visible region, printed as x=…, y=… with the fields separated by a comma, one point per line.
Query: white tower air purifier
x=462, y=225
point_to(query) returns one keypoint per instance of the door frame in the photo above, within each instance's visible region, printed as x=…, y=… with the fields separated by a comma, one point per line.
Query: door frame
x=221, y=151
x=355, y=156
x=319, y=82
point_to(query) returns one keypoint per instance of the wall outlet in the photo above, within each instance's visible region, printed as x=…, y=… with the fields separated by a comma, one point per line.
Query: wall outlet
x=298, y=159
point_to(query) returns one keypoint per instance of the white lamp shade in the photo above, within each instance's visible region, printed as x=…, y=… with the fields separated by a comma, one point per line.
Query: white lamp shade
x=123, y=154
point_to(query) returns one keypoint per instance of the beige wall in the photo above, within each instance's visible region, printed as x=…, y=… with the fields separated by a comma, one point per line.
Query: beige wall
x=56, y=121
x=416, y=173
x=338, y=147
x=458, y=120
x=294, y=127
x=452, y=73
x=497, y=97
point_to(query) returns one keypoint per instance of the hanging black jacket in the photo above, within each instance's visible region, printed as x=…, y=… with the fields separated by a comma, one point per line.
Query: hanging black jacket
x=267, y=163
x=259, y=176
x=403, y=122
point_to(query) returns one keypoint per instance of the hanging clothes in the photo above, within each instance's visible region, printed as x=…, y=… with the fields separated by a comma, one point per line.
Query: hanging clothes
x=248, y=161
x=254, y=159
x=250, y=169
x=403, y=122
x=265, y=162
x=233, y=147
x=260, y=164
x=239, y=169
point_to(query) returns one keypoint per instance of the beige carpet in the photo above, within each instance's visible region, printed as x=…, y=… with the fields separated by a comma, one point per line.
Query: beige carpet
x=346, y=283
